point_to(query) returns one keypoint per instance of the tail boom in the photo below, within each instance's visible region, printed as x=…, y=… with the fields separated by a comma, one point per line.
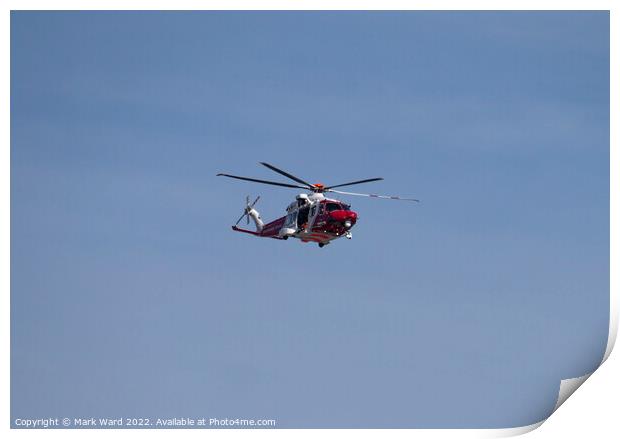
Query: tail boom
x=270, y=230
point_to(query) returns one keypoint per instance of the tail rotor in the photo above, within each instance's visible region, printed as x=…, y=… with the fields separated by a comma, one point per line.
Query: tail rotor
x=246, y=211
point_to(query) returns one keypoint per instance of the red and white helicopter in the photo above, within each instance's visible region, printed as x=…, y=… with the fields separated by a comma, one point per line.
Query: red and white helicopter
x=311, y=217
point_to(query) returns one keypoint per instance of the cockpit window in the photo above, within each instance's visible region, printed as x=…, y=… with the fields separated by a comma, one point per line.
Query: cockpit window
x=333, y=206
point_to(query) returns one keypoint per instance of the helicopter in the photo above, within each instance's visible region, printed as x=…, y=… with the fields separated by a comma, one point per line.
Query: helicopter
x=312, y=217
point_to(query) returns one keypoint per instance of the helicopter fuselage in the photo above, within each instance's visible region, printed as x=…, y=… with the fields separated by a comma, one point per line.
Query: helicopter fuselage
x=310, y=218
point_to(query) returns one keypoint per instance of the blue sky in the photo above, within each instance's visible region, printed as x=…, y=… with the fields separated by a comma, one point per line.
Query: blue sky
x=131, y=296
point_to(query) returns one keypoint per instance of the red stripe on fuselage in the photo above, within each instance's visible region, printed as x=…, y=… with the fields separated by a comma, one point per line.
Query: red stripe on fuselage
x=273, y=228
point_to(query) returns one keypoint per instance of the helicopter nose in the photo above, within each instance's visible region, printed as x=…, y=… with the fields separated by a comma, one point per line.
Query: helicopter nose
x=350, y=220
x=344, y=216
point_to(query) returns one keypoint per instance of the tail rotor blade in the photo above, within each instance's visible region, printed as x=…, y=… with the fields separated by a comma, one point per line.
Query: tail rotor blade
x=240, y=218
x=246, y=210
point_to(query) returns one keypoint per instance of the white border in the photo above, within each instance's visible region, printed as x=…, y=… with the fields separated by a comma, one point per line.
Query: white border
x=567, y=386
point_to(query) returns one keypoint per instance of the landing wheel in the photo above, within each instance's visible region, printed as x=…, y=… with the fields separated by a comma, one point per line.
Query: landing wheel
x=285, y=237
x=321, y=245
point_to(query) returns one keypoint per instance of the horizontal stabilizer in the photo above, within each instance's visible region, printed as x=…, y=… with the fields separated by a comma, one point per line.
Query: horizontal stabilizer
x=237, y=229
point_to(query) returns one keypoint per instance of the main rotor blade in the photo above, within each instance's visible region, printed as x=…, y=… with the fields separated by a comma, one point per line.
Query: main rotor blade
x=275, y=183
x=389, y=197
x=355, y=182
x=286, y=174
x=255, y=201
